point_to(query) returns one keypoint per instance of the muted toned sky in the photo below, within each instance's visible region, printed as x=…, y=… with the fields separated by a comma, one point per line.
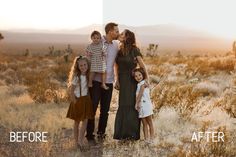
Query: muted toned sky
x=214, y=16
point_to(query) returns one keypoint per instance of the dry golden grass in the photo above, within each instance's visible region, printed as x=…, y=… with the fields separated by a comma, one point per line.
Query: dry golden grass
x=189, y=98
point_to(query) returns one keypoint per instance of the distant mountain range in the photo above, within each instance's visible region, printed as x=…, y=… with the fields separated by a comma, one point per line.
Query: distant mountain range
x=167, y=36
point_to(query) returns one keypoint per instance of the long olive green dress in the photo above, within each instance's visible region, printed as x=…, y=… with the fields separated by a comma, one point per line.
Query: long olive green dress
x=127, y=123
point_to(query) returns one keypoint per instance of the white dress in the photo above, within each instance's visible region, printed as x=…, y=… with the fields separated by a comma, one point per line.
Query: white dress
x=146, y=108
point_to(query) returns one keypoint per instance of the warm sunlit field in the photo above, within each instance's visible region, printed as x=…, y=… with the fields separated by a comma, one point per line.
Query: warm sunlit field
x=195, y=93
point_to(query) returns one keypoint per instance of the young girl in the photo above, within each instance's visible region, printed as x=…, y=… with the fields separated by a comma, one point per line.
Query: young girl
x=144, y=104
x=80, y=109
x=97, y=54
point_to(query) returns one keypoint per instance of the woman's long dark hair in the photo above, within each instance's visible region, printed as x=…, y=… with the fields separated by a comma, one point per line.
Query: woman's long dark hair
x=129, y=43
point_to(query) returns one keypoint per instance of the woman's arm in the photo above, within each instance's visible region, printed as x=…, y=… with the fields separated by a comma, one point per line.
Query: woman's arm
x=142, y=65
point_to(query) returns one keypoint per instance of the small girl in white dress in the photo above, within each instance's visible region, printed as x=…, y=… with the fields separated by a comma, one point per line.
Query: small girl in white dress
x=144, y=105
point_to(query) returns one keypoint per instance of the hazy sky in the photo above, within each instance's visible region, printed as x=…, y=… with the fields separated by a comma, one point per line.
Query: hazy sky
x=214, y=16
x=49, y=14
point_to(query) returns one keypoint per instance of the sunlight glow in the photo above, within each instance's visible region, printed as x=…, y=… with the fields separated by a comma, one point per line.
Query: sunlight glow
x=214, y=16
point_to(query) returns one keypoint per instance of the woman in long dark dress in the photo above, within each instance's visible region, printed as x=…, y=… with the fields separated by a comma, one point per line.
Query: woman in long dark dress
x=127, y=123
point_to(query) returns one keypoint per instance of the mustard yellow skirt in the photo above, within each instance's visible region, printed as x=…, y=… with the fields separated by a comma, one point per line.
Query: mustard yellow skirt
x=81, y=110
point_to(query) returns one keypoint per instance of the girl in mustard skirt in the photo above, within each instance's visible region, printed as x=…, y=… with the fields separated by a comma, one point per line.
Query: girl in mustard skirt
x=80, y=109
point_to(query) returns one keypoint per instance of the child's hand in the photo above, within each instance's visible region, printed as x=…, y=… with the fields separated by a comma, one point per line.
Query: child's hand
x=104, y=48
x=137, y=106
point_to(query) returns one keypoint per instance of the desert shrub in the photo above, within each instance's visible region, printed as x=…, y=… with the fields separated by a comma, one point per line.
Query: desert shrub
x=228, y=103
x=157, y=60
x=232, y=110
x=177, y=60
x=2, y=82
x=224, y=65
x=181, y=97
x=3, y=67
x=200, y=66
x=206, y=89
x=208, y=66
x=61, y=71
x=158, y=70
x=38, y=82
x=39, y=79
x=17, y=90
x=10, y=76
x=231, y=106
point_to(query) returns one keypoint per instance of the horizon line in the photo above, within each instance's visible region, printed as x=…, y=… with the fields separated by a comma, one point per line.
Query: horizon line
x=58, y=30
x=93, y=24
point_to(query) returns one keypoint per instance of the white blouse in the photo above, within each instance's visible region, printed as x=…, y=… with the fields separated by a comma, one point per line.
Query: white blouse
x=84, y=87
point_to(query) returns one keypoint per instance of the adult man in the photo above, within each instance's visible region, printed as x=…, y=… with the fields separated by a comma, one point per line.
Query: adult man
x=98, y=93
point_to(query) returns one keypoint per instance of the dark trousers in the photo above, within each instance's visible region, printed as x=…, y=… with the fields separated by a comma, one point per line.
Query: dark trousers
x=98, y=94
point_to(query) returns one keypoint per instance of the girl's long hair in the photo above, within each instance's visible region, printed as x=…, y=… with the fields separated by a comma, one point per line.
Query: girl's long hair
x=75, y=71
x=129, y=43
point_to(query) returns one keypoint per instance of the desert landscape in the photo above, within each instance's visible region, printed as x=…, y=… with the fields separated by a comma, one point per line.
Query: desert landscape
x=189, y=49
x=196, y=92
